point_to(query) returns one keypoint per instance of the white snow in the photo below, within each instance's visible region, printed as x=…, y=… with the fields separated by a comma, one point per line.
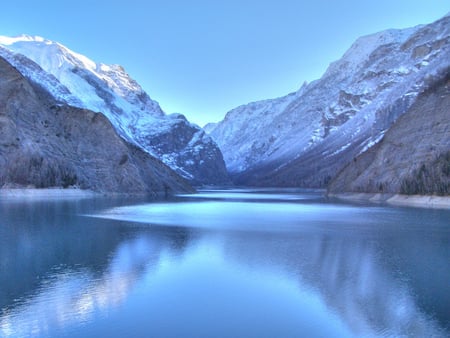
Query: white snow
x=402, y=70
x=79, y=81
x=341, y=149
x=360, y=51
x=379, y=69
x=6, y=40
x=372, y=141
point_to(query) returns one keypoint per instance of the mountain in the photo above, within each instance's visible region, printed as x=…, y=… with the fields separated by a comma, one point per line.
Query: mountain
x=80, y=82
x=414, y=155
x=307, y=137
x=45, y=143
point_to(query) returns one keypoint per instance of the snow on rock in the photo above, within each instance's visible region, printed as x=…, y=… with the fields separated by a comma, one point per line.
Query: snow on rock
x=279, y=141
x=77, y=80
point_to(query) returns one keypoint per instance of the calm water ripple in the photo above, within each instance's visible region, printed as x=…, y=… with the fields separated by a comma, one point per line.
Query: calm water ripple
x=241, y=263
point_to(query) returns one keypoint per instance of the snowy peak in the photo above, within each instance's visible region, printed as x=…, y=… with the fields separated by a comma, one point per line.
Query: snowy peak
x=367, y=48
x=50, y=55
x=7, y=40
x=72, y=69
x=75, y=79
x=366, y=45
x=304, y=138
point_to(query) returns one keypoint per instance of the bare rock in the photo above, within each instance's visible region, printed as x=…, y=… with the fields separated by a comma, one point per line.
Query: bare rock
x=46, y=144
x=414, y=155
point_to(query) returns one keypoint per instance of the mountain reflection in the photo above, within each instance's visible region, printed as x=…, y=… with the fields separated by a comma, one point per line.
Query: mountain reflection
x=58, y=268
x=73, y=296
x=289, y=268
x=69, y=296
x=351, y=277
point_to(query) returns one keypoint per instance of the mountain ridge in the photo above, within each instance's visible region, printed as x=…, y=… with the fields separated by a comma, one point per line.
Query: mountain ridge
x=78, y=81
x=47, y=144
x=305, y=138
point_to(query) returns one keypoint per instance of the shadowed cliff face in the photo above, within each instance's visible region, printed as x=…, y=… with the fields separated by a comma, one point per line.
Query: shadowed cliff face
x=45, y=144
x=414, y=155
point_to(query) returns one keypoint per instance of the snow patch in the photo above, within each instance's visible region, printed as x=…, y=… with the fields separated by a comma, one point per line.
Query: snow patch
x=341, y=149
x=371, y=142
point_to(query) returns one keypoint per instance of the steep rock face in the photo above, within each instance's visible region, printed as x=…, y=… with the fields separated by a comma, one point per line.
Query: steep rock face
x=414, y=155
x=76, y=80
x=47, y=144
x=305, y=138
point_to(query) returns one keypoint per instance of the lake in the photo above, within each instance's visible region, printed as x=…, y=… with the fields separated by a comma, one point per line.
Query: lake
x=224, y=263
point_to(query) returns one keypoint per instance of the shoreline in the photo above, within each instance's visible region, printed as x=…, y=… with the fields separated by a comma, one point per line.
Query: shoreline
x=69, y=193
x=46, y=193
x=420, y=201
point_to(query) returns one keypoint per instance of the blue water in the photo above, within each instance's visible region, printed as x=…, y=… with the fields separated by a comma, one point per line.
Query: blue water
x=231, y=263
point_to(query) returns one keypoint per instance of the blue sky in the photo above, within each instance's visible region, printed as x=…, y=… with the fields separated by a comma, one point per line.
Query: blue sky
x=203, y=58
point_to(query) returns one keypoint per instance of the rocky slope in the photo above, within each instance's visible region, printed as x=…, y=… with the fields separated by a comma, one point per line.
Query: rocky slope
x=414, y=155
x=307, y=137
x=48, y=144
x=76, y=80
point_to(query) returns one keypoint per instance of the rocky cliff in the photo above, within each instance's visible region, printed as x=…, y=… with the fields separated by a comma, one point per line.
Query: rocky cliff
x=78, y=81
x=48, y=144
x=414, y=155
x=307, y=137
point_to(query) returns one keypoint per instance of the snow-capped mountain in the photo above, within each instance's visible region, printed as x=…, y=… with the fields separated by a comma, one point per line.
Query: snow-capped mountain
x=306, y=137
x=78, y=81
x=46, y=144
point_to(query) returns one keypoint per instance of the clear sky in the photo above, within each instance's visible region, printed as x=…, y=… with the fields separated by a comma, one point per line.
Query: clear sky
x=203, y=58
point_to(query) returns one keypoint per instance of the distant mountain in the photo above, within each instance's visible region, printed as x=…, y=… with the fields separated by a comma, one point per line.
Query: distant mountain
x=307, y=137
x=78, y=81
x=209, y=127
x=46, y=143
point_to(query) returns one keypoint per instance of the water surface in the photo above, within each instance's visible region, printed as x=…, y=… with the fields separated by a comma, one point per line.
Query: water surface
x=249, y=263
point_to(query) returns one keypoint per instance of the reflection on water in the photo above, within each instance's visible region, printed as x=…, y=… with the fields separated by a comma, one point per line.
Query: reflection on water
x=69, y=296
x=223, y=264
